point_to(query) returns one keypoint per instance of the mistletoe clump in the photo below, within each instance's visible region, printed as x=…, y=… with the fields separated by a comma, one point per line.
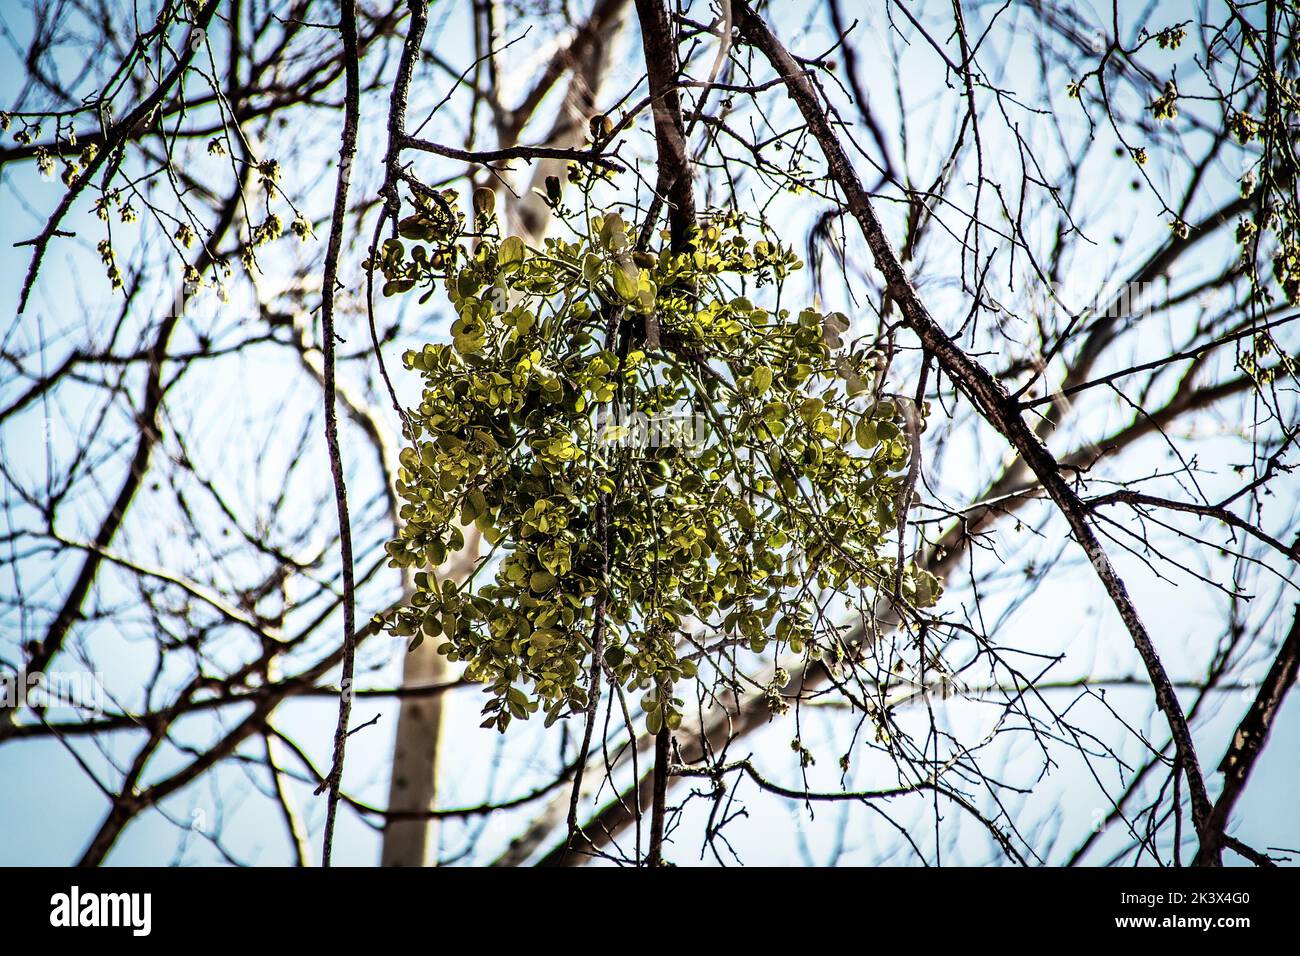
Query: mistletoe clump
x=664, y=469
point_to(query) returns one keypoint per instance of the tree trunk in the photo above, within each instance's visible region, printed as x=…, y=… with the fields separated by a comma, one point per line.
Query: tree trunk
x=413, y=783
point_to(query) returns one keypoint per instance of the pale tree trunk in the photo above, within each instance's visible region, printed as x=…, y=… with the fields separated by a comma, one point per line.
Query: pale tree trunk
x=413, y=782
x=595, y=48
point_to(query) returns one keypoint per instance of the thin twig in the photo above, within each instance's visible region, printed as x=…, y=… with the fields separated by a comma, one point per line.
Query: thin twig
x=348, y=150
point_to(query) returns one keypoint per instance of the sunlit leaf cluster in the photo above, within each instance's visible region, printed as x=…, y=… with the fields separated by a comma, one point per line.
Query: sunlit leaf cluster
x=695, y=498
